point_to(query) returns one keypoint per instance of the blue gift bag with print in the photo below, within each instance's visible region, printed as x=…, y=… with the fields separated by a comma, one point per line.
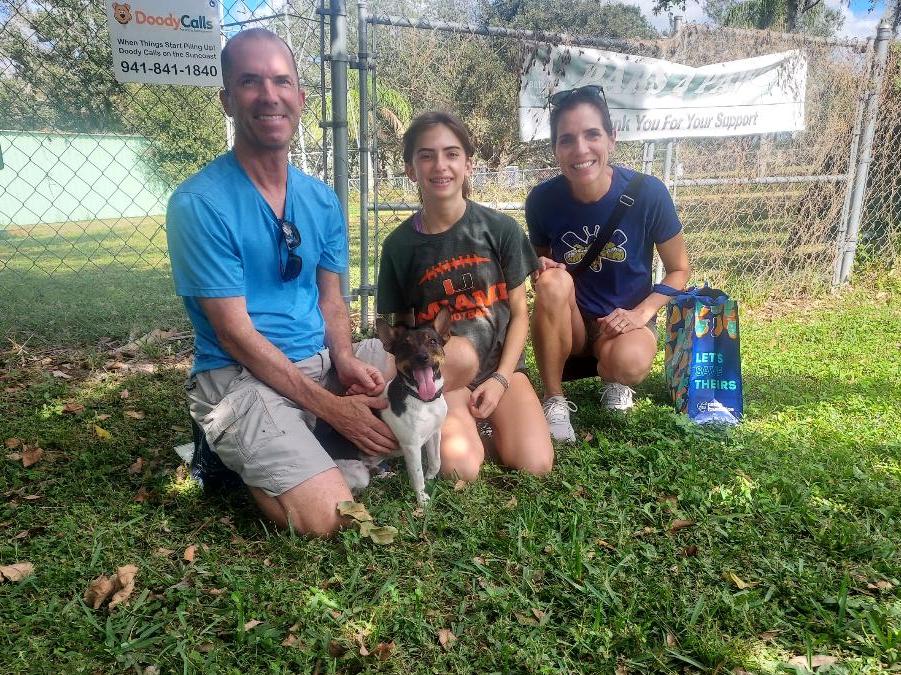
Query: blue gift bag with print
x=702, y=356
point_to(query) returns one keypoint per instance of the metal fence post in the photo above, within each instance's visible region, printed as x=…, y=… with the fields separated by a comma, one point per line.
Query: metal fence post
x=339, y=60
x=853, y=156
x=363, y=143
x=659, y=271
x=883, y=38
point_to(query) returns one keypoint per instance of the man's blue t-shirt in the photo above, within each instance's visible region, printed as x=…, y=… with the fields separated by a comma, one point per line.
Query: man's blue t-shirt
x=621, y=276
x=225, y=241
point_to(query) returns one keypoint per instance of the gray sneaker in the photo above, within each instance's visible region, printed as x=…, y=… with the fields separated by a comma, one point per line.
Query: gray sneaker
x=616, y=396
x=556, y=412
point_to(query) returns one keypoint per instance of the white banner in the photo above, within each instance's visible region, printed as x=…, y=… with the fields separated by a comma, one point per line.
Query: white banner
x=165, y=41
x=654, y=99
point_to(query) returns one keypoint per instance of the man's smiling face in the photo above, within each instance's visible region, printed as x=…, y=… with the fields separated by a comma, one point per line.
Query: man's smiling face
x=263, y=95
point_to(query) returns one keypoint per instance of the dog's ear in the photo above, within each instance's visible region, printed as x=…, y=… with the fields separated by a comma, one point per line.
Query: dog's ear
x=442, y=323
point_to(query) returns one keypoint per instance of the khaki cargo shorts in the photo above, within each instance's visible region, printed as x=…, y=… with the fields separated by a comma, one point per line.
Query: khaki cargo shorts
x=261, y=435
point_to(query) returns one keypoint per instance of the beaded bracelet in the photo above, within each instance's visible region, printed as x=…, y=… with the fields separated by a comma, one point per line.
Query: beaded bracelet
x=500, y=378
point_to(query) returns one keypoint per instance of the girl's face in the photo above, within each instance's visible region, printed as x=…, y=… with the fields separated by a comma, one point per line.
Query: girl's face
x=439, y=165
x=583, y=147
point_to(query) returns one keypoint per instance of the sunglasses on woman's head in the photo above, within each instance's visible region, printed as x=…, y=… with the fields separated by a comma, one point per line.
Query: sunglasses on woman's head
x=291, y=237
x=594, y=90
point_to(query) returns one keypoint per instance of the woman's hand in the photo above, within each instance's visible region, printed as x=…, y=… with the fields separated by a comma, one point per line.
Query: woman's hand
x=621, y=321
x=485, y=398
x=545, y=263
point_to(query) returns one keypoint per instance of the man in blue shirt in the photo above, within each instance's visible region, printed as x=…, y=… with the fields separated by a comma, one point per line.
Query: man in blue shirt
x=257, y=248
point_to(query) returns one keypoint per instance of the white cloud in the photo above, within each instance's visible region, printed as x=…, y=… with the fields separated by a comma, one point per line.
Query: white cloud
x=862, y=25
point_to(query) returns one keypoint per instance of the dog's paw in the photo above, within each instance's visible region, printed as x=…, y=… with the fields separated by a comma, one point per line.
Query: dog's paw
x=422, y=498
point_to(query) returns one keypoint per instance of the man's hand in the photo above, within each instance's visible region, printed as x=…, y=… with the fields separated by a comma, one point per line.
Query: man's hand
x=485, y=398
x=352, y=417
x=620, y=321
x=360, y=377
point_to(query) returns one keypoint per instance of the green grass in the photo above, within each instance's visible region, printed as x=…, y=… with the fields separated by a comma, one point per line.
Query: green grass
x=579, y=574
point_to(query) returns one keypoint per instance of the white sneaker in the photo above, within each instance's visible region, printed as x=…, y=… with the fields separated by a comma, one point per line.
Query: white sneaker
x=616, y=396
x=556, y=412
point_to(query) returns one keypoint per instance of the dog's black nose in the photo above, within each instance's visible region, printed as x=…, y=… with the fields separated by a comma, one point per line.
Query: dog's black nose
x=421, y=359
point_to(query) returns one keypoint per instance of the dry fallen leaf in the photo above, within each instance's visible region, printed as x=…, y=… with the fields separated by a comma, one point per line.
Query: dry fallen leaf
x=31, y=498
x=355, y=510
x=124, y=393
x=14, y=456
x=16, y=571
x=141, y=495
x=250, y=625
x=768, y=635
x=290, y=640
x=459, y=485
x=135, y=414
x=511, y=503
x=216, y=592
x=383, y=650
x=605, y=544
x=524, y=620
x=538, y=613
x=738, y=581
x=680, y=524
x=102, y=416
x=31, y=455
x=447, y=638
x=61, y=375
x=125, y=581
x=102, y=433
x=671, y=640
x=379, y=535
x=13, y=443
x=98, y=591
x=189, y=553
x=817, y=661
x=137, y=466
x=881, y=585
x=164, y=551
x=689, y=551
x=73, y=407
x=205, y=647
x=418, y=512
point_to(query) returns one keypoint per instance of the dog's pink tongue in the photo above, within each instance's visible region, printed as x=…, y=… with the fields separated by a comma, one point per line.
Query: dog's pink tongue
x=425, y=381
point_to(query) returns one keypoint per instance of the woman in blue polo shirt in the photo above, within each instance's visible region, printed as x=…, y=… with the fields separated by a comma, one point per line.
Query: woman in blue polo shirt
x=608, y=311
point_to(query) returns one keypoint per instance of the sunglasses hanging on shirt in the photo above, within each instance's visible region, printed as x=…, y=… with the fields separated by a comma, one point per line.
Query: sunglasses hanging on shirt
x=291, y=237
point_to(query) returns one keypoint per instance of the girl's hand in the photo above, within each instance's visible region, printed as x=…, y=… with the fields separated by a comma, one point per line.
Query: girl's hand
x=485, y=398
x=620, y=321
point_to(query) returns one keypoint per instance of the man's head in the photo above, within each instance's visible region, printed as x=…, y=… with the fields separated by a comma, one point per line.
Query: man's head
x=262, y=92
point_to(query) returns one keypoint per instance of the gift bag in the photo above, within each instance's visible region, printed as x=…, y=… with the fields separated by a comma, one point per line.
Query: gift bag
x=702, y=357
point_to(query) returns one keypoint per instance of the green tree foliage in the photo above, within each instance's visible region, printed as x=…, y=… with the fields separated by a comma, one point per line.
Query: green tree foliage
x=61, y=61
x=580, y=17
x=780, y=15
x=478, y=77
x=58, y=76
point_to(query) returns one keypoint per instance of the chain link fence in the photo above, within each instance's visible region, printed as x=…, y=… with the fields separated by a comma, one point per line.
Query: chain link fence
x=763, y=215
x=87, y=163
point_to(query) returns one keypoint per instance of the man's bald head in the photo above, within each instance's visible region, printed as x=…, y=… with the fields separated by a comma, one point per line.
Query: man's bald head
x=227, y=54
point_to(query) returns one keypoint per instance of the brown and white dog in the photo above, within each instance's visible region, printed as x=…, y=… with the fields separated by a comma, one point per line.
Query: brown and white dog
x=416, y=406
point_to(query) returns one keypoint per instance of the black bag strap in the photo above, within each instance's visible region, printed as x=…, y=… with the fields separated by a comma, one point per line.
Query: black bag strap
x=626, y=199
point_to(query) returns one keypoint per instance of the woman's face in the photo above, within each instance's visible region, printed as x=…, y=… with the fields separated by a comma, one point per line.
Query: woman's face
x=440, y=164
x=583, y=147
